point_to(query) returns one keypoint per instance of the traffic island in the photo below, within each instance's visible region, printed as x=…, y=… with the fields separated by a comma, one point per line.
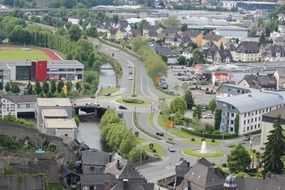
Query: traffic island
x=197, y=153
x=133, y=101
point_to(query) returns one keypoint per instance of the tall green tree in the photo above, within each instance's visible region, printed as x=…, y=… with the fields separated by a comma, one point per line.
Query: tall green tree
x=212, y=105
x=30, y=89
x=15, y=88
x=239, y=159
x=38, y=89
x=179, y=105
x=218, y=118
x=236, y=124
x=184, y=27
x=46, y=87
x=78, y=86
x=198, y=112
x=274, y=149
x=7, y=87
x=189, y=99
x=60, y=85
x=74, y=33
x=53, y=87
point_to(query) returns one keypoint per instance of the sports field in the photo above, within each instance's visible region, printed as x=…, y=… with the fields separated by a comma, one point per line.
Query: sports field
x=13, y=53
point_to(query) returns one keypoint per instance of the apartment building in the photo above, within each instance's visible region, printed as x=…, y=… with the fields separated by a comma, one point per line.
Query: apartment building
x=247, y=52
x=19, y=106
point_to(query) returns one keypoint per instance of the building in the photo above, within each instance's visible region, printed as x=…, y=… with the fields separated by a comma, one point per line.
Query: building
x=247, y=52
x=28, y=70
x=54, y=117
x=19, y=106
x=268, y=121
x=280, y=78
x=228, y=4
x=205, y=176
x=272, y=53
x=258, y=82
x=228, y=90
x=250, y=107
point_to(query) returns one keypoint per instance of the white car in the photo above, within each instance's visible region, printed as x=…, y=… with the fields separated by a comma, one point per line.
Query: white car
x=208, y=116
x=130, y=78
x=128, y=65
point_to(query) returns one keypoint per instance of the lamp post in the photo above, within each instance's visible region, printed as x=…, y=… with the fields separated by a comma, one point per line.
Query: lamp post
x=250, y=142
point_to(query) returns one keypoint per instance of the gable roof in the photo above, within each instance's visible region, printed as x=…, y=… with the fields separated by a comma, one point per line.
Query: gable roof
x=129, y=172
x=248, y=47
x=212, y=37
x=133, y=185
x=21, y=98
x=260, y=81
x=204, y=175
x=95, y=157
x=97, y=179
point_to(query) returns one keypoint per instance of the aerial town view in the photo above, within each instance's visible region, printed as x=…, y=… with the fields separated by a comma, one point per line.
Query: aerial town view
x=142, y=95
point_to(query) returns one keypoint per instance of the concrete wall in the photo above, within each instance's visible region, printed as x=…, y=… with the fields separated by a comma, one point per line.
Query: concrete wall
x=25, y=182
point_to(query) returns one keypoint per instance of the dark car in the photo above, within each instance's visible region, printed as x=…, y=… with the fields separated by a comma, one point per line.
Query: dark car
x=246, y=138
x=113, y=54
x=160, y=134
x=108, y=94
x=123, y=108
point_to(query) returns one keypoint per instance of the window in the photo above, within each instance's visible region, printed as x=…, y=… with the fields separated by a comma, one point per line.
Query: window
x=266, y=109
x=28, y=105
x=232, y=121
x=254, y=126
x=259, y=118
x=255, y=119
x=252, y=120
x=243, y=92
x=229, y=89
x=238, y=91
x=258, y=125
x=244, y=122
x=248, y=114
x=255, y=112
x=92, y=168
x=66, y=135
x=232, y=114
x=251, y=127
x=259, y=111
x=245, y=115
x=248, y=121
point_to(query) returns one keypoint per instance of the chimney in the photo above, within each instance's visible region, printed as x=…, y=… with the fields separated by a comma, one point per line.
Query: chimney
x=110, y=157
x=107, y=185
x=118, y=164
x=125, y=184
x=188, y=164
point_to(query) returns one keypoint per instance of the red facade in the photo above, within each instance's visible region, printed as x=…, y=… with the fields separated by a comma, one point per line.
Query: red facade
x=41, y=71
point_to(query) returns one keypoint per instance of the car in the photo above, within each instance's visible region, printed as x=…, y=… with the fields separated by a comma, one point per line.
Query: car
x=171, y=93
x=108, y=94
x=159, y=134
x=172, y=149
x=208, y=116
x=128, y=65
x=246, y=138
x=123, y=108
x=113, y=54
x=130, y=72
x=203, y=109
x=130, y=78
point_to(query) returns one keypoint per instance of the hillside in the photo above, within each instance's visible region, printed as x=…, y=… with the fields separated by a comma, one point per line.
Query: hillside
x=56, y=3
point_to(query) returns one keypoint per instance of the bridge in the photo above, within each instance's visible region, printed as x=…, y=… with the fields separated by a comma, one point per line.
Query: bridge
x=83, y=107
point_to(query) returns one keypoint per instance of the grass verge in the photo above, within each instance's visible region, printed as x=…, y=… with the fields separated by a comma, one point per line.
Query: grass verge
x=162, y=120
x=145, y=102
x=134, y=114
x=213, y=154
x=193, y=139
x=157, y=149
x=150, y=119
x=105, y=91
x=140, y=140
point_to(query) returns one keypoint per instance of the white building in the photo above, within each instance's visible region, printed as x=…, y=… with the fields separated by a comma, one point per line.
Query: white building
x=19, y=106
x=228, y=4
x=250, y=107
x=61, y=128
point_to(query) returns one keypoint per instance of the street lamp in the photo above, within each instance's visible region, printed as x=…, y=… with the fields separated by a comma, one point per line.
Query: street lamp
x=250, y=142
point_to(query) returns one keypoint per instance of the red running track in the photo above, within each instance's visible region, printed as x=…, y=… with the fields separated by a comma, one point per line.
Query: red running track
x=51, y=54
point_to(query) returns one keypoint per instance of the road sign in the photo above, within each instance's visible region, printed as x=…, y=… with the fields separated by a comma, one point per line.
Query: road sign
x=170, y=124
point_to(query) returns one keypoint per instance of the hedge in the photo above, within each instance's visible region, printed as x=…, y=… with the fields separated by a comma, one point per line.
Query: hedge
x=211, y=136
x=133, y=101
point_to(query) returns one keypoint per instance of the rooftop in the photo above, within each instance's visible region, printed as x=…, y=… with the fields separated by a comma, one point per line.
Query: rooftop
x=95, y=157
x=54, y=113
x=60, y=123
x=53, y=102
x=255, y=100
x=22, y=98
x=275, y=113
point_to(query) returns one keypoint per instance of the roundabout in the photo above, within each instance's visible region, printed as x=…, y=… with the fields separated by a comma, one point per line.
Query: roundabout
x=197, y=153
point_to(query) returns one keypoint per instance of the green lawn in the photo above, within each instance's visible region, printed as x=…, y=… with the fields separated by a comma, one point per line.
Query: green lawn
x=162, y=120
x=105, y=91
x=150, y=119
x=156, y=147
x=15, y=54
x=140, y=140
x=214, y=154
x=188, y=138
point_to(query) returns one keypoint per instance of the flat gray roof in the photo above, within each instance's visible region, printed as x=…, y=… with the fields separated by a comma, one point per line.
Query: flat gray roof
x=255, y=100
x=53, y=102
x=50, y=62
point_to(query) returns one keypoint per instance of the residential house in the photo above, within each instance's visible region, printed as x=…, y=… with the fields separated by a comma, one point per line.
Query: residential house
x=281, y=29
x=19, y=105
x=250, y=107
x=173, y=39
x=280, y=41
x=260, y=31
x=268, y=120
x=134, y=33
x=54, y=117
x=258, y=82
x=247, y=52
x=280, y=78
x=151, y=32
x=216, y=55
x=166, y=52
x=212, y=37
x=187, y=52
x=195, y=36
x=272, y=53
x=281, y=17
x=228, y=90
x=116, y=34
x=220, y=77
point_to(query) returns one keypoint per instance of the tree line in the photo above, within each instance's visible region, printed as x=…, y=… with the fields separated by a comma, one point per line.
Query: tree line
x=117, y=137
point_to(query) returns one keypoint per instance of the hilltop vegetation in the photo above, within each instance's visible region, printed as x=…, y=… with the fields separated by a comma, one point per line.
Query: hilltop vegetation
x=56, y=3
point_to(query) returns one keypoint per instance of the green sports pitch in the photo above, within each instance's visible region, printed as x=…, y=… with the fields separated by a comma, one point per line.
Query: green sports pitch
x=20, y=54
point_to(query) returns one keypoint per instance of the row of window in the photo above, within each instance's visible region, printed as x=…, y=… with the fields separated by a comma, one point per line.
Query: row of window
x=252, y=120
x=64, y=70
x=252, y=127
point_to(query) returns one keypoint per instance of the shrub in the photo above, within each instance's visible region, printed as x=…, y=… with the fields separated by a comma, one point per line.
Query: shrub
x=202, y=139
x=253, y=150
x=133, y=101
x=193, y=139
x=213, y=140
x=154, y=150
x=224, y=165
x=211, y=136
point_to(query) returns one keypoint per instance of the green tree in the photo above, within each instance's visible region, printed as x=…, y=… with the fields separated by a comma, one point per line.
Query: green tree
x=53, y=87
x=172, y=21
x=218, y=118
x=74, y=33
x=184, y=27
x=38, y=89
x=239, y=159
x=143, y=24
x=15, y=88
x=78, y=86
x=127, y=145
x=91, y=60
x=189, y=99
x=274, y=149
x=181, y=60
x=179, y=105
x=115, y=19
x=109, y=117
x=136, y=155
x=30, y=89
x=198, y=111
x=163, y=106
x=198, y=57
x=185, y=88
x=46, y=87
x=7, y=87
x=236, y=124
x=212, y=105
x=60, y=85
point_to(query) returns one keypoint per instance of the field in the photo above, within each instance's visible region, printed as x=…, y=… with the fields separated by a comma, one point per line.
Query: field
x=14, y=53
